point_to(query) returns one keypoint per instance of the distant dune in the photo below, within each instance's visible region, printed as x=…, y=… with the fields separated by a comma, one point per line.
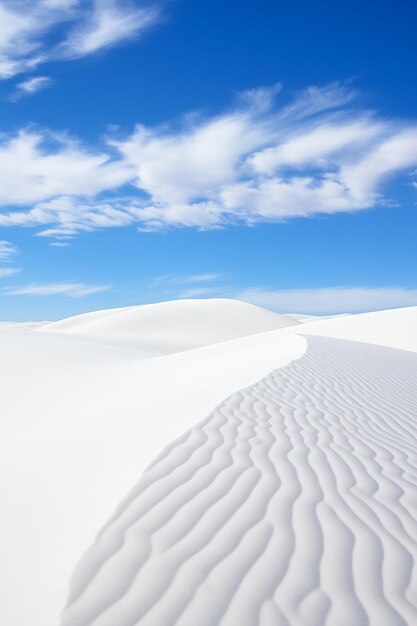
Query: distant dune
x=174, y=326
x=241, y=468
x=396, y=328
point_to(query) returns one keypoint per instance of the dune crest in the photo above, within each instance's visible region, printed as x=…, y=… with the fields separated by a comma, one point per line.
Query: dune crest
x=175, y=326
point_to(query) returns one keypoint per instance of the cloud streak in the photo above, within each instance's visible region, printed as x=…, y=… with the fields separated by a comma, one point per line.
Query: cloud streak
x=31, y=86
x=7, y=250
x=109, y=22
x=197, y=292
x=73, y=290
x=5, y=272
x=330, y=300
x=178, y=279
x=29, y=29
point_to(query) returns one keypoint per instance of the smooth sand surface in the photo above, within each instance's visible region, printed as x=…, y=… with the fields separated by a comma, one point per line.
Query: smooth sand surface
x=396, y=328
x=173, y=326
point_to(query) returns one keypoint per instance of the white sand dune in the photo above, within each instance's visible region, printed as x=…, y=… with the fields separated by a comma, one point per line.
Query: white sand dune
x=174, y=326
x=293, y=503
x=22, y=325
x=79, y=423
x=294, y=498
x=396, y=328
x=306, y=319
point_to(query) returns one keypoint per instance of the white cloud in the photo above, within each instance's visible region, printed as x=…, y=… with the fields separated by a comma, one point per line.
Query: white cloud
x=30, y=86
x=196, y=292
x=330, y=300
x=7, y=250
x=73, y=290
x=71, y=216
x=5, y=272
x=177, y=279
x=29, y=29
x=201, y=278
x=108, y=23
x=191, y=163
x=316, y=155
x=397, y=152
x=188, y=285
x=202, y=215
x=32, y=170
x=319, y=154
x=315, y=147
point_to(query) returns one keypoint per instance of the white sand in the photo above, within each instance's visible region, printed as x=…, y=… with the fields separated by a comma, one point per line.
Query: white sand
x=81, y=421
x=174, y=326
x=396, y=328
x=294, y=502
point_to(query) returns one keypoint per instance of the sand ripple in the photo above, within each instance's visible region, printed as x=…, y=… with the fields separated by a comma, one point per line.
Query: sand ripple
x=294, y=503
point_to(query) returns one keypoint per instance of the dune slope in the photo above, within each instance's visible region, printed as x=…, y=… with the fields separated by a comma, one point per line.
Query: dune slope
x=293, y=503
x=322, y=451
x=174, y=326
x=395, y=328
x=79, y=423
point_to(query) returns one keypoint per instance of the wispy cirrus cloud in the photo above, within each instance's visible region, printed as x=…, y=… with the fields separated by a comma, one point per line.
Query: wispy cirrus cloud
x=5, y=272
x=60, y=244
x=198, y=292
x=201, y=278
x=318, y=154
x=330, y=300
x=73, y=290
x=106, y=24
x=178, y=279
x=29, y=29
x=7, y=251
x=31, y=86
x=70, y=216
x=188, y=285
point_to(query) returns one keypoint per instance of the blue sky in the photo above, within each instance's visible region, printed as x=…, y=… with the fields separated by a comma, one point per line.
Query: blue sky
x=152, y=151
